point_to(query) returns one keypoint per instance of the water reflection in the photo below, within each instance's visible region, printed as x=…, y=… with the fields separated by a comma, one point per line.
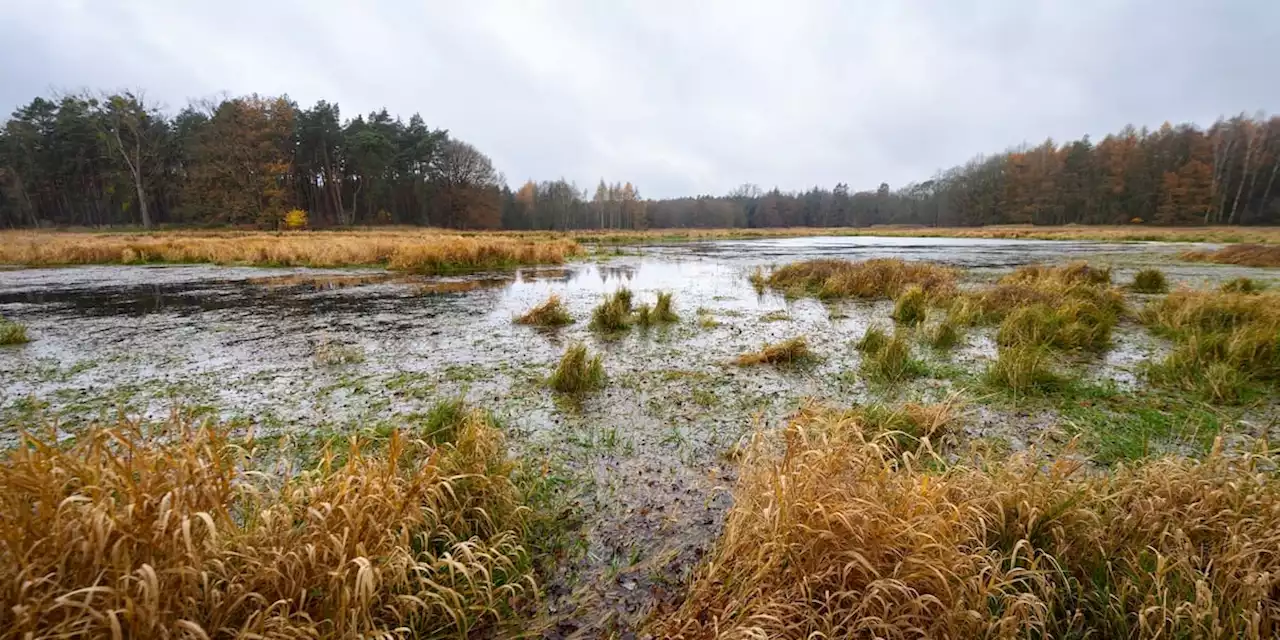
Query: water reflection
x=707, y=271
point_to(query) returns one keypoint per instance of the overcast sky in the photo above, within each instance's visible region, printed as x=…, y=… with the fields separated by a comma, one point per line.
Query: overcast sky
x=681, y=97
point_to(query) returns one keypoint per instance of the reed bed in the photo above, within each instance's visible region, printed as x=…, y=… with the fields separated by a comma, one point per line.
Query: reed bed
x=1245, y=255
x=840, y=533
x=421, y=252
x=177, y=531
x=869, y=279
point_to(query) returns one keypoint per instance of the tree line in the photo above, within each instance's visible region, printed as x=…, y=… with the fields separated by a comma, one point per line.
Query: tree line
x=111, y=159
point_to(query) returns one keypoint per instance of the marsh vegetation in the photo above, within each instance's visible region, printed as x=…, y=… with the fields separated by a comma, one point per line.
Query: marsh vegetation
x=1083, y=442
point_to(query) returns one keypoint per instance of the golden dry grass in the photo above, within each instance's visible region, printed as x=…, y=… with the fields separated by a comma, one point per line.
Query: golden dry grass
x=842, y=535
x=1245, y=255
x=173, y=531
x=790, y=352
x=423, y=251
x=1111, y=233
x=877, y=278
x=551, y=313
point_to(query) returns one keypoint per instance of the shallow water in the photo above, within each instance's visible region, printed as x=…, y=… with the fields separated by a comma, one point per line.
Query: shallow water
x=646, y=455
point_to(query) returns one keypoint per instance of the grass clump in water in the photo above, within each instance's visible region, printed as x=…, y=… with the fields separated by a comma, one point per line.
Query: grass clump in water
x=791, y=352
x=910, y=306
x=893, y=362
x=873, y=340
x=1074, y=325
x=878, y=278
x=839, y=535
x=1024, y=370
x=551, y=313
x=12, y=332
x=614, y=314
x=1242, y=285
x=1150, y=281
x=664, y=309
x=578, y=372
x=183, y=528
x=335, y=354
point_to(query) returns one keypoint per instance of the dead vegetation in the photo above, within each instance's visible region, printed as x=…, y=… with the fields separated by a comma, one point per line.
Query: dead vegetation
x=878, y=278
x=417, y=251
x=790, y=352
x=846, y=533
x=551, y=313
x=1245, y=255
x=152, y=531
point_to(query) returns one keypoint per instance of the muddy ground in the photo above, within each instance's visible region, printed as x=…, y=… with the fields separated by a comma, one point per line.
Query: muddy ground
x=644, y=466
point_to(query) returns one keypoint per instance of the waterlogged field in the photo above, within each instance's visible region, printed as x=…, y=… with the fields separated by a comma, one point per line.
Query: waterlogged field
x=628, y=483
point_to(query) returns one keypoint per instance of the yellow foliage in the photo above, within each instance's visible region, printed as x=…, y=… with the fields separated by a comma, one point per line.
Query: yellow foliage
x=295, y=220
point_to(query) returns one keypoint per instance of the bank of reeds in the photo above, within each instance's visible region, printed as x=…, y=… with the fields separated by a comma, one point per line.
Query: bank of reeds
x=577, y=372
x=1111, y=233
x=791, y=352
x=416, y=251
x=550, y=313
x=153, y=531
x=877, y=278
x=1227, y=344
x=1245, y=255
x=839, y=534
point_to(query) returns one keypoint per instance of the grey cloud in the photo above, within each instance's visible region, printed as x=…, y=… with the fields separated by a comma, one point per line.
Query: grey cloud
x=682, y=97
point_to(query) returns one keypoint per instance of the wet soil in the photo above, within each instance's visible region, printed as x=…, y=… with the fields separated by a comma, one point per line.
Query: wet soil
x=646, y=463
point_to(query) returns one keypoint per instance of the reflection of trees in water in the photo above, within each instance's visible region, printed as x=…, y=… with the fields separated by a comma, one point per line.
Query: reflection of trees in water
x=608, y=273
x=546, y=275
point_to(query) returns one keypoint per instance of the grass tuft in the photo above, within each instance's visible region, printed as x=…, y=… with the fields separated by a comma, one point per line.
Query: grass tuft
x=878, y=278
x=551, y=313
x=614, y=314
x=910, y=306
x=578, y=372
x=893, y=362
x=791, y=352
x=1024, y=369
x=1242, y=285
x=150, y=531
x=837, y=534
x=873, y=340
x=12, y=332
x=664, y=309
x=1149, y=281
x=944, y=335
